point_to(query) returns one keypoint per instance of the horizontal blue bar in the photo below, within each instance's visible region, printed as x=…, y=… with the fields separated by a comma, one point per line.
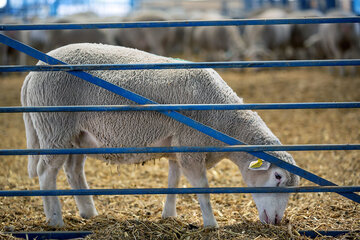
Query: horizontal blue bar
x=146, y=191
x=186, y=65
x=83, y=234
x=50, y=235
x=197, y=23
x=182, y=107
x=232, y=148
x=334, y=233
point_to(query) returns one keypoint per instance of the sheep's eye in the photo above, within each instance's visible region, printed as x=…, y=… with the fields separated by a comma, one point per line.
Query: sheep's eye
x=277, y=176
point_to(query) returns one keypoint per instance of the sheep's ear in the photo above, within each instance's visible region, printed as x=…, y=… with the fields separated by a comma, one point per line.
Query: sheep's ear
x=259, y=165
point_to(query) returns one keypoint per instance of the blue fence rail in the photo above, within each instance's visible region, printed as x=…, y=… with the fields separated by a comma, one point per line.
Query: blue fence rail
x=50, y=235
x=147, y=191
x=188, y=65
x=147, y=104
x=165, y=24
x=233, y=148
x=83, y=234
x=183, y=107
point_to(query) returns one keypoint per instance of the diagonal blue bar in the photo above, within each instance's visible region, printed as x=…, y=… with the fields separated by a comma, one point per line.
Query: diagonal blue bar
x=233, y=148
x=183, y=107
x=162, y=24
x=175, y=115
x=151, y=191
x=188, y=65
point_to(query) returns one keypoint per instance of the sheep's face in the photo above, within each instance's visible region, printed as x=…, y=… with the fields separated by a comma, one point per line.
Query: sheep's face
x=271, y=206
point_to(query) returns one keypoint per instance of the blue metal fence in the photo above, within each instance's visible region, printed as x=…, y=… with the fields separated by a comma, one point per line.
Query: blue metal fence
x=175, y=115
x=234, y=148
x=183, y=107
x=170, y=110
x=189, y=65
x=162, y=24
x=142, y=191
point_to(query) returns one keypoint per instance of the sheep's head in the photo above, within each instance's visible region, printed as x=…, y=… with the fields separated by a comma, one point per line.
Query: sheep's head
x=258, y=173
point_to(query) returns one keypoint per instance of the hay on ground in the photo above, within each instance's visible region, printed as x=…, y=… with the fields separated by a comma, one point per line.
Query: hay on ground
x=139, y=217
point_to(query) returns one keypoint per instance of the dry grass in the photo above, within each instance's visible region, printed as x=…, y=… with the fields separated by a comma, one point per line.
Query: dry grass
x=139, y=217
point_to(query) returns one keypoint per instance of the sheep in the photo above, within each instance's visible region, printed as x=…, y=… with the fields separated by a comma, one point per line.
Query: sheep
x=8, y=55
x=154, y=40
x=218, y=43
x=268, y=42
x=142, y=129
x=340, y=40
x=58, y=38
x=302, y=33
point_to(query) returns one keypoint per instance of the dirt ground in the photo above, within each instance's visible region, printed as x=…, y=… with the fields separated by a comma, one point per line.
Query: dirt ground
x=139, y=217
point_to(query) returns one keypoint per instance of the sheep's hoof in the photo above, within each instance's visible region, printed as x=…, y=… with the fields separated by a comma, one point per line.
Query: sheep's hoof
x=165, y=215
x=56, y=222
x=211, y=224
x=88, y=215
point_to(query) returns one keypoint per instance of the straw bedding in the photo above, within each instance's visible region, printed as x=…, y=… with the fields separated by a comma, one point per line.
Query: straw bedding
x=139, y=217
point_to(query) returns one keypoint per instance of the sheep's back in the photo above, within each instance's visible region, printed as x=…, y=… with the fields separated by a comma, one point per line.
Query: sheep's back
x=163, y=86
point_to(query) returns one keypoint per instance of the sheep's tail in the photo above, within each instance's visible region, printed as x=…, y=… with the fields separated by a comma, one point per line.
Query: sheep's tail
x=32, y=139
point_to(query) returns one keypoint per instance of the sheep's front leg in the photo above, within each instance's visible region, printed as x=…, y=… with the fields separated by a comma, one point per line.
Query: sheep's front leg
x=193, y=168
x=74, y=169
x=173, y=182
x=47, y=178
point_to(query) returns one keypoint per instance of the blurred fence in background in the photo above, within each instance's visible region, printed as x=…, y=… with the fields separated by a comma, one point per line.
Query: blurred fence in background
x=27, y=9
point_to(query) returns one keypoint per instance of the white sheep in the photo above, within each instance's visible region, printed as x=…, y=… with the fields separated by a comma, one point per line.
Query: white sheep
x=142, y=129
x=267, y=41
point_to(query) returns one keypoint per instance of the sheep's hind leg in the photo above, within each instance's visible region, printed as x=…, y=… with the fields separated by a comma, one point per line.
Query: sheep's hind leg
x=74, y=169
x=173, y=182
x=47, y=170
x=194, y=169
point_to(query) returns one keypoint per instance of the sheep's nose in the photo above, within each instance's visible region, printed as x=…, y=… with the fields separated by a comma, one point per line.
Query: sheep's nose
x=268, y=219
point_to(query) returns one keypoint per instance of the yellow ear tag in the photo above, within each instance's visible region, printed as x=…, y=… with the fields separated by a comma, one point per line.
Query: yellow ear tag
x=256, y=164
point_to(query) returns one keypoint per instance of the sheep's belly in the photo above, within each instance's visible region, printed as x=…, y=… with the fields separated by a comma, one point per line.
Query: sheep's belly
x=130, y=158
